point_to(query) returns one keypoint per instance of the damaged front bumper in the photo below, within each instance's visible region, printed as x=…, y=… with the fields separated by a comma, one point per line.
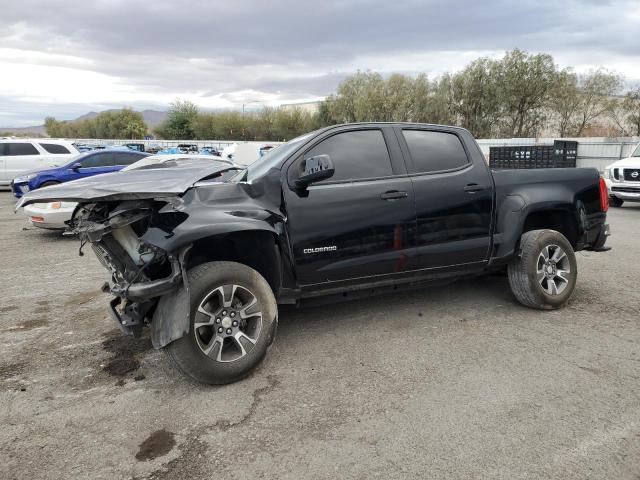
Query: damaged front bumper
x=141, y=272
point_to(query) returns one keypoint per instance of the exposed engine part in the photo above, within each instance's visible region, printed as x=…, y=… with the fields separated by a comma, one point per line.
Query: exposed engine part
x=129, y=241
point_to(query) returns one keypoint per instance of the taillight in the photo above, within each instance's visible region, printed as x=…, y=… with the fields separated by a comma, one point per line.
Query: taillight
x=604, y=196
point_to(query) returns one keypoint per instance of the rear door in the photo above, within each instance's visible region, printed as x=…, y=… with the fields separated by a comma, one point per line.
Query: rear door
x=454, y=198
x=355, y=224
x=21, y=157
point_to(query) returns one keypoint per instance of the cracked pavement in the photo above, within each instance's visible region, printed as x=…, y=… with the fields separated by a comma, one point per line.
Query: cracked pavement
x=457, y=381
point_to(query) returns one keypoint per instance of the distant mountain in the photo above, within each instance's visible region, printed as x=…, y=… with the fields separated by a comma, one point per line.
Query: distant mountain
x=152, y=118
x=37, y=131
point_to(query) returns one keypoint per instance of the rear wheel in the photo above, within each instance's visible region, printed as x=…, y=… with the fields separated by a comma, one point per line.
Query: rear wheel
x=233, y=322
x=544, y=275
x=615, y=202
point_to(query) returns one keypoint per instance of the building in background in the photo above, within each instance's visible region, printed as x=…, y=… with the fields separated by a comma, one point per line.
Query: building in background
x=311, y=107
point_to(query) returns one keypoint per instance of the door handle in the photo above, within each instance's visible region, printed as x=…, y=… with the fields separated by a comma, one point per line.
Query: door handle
x=474, y=187
x=393, y=195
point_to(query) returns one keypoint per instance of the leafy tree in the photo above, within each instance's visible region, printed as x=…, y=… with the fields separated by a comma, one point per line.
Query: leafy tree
x=565, y=101
x=523, y=85
x=594, y=97
x=178, y=124
x=475, y=98
x=631, y=106
x=120, y=124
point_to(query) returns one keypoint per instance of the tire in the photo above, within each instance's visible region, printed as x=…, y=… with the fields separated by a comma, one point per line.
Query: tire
x=532, y=278
x=615, y=202
x=48, y=184
x=219, y=358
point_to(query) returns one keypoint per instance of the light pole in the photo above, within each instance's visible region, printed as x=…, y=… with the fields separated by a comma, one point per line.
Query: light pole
x=244, y=137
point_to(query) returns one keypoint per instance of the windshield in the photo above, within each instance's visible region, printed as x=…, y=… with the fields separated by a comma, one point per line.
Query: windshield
x=275, y=156
x=636, y=153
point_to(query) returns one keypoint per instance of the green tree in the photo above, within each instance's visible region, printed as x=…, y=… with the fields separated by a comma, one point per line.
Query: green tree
x=594, y=97
x=475, y=97
x=631, y=107
x=565, y=101
x=179, y=122
x=119, y=124
x=523, y=86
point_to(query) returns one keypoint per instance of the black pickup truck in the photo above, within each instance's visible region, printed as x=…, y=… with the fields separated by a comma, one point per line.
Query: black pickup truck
x=203, y=251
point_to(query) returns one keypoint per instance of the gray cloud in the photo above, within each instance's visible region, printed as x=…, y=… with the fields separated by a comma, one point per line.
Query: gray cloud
x=297, y=49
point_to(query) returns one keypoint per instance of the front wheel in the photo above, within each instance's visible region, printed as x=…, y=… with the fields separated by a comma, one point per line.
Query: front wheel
x=544, y=274
x=233, y=322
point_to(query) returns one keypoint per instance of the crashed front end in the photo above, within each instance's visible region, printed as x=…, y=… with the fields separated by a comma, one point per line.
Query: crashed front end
x=140, y=272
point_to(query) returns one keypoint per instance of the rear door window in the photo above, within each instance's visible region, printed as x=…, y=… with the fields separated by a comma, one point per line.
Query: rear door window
x=55, y=148
x=98, y=160
x=20, y=148
x=433, y=151
x=127, y=158
x=356, y=155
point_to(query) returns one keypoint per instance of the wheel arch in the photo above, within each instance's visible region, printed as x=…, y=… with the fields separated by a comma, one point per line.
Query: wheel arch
x=260, y=250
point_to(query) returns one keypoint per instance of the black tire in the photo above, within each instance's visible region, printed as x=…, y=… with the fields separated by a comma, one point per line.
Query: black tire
x=49, y=183
x=534, y=286
x=615, y=202
x=187, y=352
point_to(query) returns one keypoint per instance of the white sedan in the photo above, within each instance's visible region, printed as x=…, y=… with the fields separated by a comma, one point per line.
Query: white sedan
x=53, y=215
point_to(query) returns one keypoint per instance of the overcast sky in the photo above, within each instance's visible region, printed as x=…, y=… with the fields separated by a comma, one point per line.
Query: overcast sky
x=65, y=58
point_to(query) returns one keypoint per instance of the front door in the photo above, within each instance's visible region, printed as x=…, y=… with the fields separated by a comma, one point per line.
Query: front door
x=356, y=223
x=95, y=164
x=454, y=199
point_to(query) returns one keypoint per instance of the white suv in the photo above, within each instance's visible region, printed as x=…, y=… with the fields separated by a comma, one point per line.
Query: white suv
x=18, y=155
x=623, y=179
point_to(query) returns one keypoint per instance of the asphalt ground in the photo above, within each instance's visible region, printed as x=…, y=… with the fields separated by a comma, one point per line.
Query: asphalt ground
x=456, y=382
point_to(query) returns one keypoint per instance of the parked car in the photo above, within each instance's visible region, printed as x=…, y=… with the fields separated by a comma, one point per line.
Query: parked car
x=623, y=179
x=23, y=155
x=83, y=165
x=203, y=256
x=54, y=215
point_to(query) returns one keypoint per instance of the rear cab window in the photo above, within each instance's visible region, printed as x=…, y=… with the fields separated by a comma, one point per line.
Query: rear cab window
x=356, y=155
x=434, y=151
x=55, y=148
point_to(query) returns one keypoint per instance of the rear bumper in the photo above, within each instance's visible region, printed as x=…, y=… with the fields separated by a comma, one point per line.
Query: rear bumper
x=601, y=239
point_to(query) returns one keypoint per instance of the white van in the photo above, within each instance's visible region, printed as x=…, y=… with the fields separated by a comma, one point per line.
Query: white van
x=18, y=155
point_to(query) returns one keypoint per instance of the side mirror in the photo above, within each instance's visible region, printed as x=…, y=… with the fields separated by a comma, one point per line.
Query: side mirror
x=76, y=166
x=315, y=169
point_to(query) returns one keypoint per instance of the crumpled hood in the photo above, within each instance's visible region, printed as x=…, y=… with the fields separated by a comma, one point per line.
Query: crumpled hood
x=127, y=185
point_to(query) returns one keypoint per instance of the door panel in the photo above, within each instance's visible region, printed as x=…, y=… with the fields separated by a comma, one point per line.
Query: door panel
x=454, y=207
x=347, y=230
x=358, y=222
x=453, y=225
